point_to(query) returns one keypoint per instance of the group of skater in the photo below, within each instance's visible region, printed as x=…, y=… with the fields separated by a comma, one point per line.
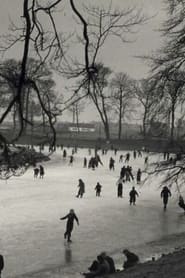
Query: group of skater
x=39, y=172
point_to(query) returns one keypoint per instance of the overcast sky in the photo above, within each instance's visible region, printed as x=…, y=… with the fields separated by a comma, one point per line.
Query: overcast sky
x=119, y=56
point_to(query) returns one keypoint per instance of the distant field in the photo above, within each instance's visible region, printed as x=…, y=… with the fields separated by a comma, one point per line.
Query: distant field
x=84, y=140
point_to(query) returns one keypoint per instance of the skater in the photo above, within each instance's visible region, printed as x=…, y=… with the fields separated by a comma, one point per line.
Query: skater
x=120, y=188
x=1, y=264
x=36, y=172
x=111, y=164
x=85, y=162
x=71, y=216
x=165, y=194
x=139, y=153
x=129, y=169
x=41, y=170
x=134, y=154
x=98, y=159
x=146, y=160
x=132, y=259
x=71, y=159
x=98, y=188
x=123, y=172
x=81, y=190
x=120, y=158
x=181, y=203
x=115, y=151
x=127, y=157
x=64, y=153
x=133, y=193
x=138, y=176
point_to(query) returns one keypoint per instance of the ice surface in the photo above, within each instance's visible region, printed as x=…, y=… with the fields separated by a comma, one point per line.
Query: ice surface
x=31, y=234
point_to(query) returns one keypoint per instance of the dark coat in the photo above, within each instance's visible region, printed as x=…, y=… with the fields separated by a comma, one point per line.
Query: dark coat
x=1, y=263
x=70, y=220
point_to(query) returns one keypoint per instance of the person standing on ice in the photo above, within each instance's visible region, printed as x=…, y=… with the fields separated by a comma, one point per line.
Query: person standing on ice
x=133, y=193
x=1, y=264
x=98, y=188
x=71, y=159
x=127, y=157
x=138, y=176
x=36, y=172
x=71, y=216
x=120, y=188
x=41, y=171
x=81, y=190
x=165, y=194
x=85, y=162
x=111, y=164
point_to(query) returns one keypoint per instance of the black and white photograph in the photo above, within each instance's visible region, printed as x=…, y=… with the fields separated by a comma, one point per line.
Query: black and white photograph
x=92, y=138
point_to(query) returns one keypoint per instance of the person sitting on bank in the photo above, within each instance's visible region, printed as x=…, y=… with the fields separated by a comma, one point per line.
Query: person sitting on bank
x=132, y=259
x=98, y=268
x=110, y=262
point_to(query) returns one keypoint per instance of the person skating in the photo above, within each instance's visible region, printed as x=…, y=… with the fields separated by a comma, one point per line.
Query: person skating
x=165, y=194
x=98, y=188
x=133, y=193
x=123, y=172
x=71, y=159
x=71, y=216
x=129, y=169
x=41, y=170
x=127, y=157
x=120, y=188
x=132, y=259
x=138, y=176
x=139, y=153
x=85, y=162
x=36, y=172
x=134, y=154
x=81, y=190
x=1, y=264
x=111, y=164
x=146, y=160
x=64, y=153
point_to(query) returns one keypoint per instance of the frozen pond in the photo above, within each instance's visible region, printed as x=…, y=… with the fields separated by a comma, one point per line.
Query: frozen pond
x=31, y=234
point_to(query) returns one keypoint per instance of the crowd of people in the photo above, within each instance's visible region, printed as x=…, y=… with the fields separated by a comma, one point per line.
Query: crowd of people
x=104, y=264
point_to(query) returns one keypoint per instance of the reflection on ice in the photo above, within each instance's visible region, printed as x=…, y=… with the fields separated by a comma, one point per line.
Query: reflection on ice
x=68, y=253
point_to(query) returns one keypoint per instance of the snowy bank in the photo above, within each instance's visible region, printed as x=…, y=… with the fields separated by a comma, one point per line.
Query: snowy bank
x=171, y=266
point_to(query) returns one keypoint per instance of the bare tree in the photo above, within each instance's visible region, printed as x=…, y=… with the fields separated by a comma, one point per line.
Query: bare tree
x=10, y=70
x=48, y=45
x=145, y=93
x=121, y=97
x=100, y=96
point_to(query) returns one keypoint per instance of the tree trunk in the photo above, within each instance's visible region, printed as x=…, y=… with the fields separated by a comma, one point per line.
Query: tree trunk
x=172, y=122
x=27, y=108
x=77, y=117
x=144, y=123
x=107, y=131
x=120, y=116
